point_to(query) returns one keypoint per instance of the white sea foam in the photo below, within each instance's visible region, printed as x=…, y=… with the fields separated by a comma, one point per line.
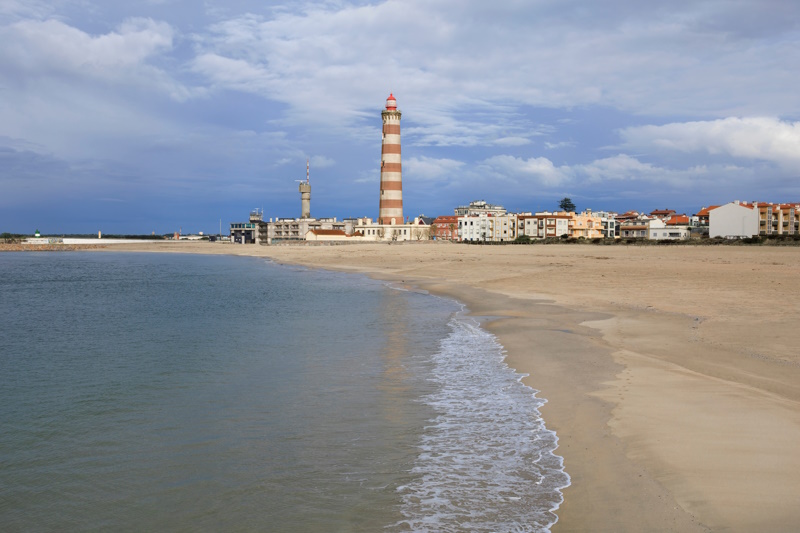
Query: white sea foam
x=486, y=460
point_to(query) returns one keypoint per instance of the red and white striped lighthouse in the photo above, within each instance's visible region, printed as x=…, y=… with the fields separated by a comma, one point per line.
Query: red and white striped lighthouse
x=391, y=203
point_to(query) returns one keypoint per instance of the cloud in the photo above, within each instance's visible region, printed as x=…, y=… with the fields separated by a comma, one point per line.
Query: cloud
x=621, y=167
x=616, y=173
x=540, y=170
x=557, y=145
x=511, y=141
x=431, y=168
x=35, y=49
x=25, y=8
x=44, y=45
x=320, y=161
x=755, y=138
x=231, y=73
x=465, y=85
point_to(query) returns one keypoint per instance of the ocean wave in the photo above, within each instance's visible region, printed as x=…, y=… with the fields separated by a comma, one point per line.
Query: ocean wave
x=486, y=460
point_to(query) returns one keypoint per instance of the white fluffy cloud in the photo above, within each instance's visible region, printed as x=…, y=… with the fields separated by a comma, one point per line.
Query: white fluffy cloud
x=640, y=57
x=320, y=161
x=36, y=50
x=430, y=168
x=759, y=138
x=540, y=170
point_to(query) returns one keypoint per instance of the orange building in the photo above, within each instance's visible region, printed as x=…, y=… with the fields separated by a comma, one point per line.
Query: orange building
x=445, y=228
x=778, y=219
x=702, y=215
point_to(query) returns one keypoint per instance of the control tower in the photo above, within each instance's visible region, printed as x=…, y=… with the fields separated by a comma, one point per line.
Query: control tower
x=305, y=196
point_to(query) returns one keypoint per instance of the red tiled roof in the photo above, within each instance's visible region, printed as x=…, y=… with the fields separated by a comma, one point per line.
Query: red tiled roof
x=704, y=212
x=329, y=232
x=676, y=220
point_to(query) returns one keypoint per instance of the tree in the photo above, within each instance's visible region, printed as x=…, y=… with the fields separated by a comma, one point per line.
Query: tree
x=9, y=238
x=432, y=231
x=567, y=205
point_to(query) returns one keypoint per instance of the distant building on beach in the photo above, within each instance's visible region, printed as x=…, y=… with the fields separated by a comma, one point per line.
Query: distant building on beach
x=250, y=232
x=733, y=220
x=479, y=207
x=486, y=227
x=445, y=228
x=284, y=230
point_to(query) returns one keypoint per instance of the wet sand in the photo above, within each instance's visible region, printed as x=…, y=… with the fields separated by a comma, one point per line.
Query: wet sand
x=672, y=373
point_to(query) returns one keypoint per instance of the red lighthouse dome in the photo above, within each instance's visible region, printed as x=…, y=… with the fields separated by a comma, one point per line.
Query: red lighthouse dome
x=391, y=103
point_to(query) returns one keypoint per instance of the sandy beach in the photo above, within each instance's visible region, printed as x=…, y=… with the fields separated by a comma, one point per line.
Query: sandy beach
x=672, y=374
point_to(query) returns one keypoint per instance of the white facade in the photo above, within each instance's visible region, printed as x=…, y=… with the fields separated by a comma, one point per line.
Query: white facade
x=488, y=228
x=546, y=224
x=332, y=236
x=658, y=230
x=391, y=232
x=295, y=229
x=733, y=220
x=475, y=228
x=479, y=207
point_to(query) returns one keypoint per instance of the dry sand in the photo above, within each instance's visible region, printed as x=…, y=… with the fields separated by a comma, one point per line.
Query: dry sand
x=672, y=373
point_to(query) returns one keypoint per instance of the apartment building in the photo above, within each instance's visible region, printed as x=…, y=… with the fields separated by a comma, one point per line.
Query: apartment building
x=445, y=228
x=479, y=207
x=486, y=227
x=778, y=219
x=546, y=224
x=663, y=214
x=587, y=225
x=743, y=219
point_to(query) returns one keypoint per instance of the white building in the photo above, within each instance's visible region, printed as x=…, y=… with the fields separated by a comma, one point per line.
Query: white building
x=332, y=235
x=416, y=231
x=479, y=207
x=486, y=227
x=659, y=230
x=733, y=220
x=295, y=229
x=546, y=224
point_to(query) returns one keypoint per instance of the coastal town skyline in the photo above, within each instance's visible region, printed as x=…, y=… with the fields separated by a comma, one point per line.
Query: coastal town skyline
x=131, y=119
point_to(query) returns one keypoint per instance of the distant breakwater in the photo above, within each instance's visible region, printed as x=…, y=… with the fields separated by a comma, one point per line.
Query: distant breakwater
x=21, y=247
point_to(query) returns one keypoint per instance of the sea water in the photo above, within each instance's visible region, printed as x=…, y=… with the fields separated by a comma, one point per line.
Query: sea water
x=144, y=392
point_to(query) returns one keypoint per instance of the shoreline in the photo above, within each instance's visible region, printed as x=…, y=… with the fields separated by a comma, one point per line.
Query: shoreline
x=671, y=375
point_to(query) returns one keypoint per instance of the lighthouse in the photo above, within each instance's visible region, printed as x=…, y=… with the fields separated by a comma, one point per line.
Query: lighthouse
x=391, y=200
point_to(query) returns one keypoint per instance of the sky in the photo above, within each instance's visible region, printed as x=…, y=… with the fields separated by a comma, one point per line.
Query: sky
x=177, y=115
